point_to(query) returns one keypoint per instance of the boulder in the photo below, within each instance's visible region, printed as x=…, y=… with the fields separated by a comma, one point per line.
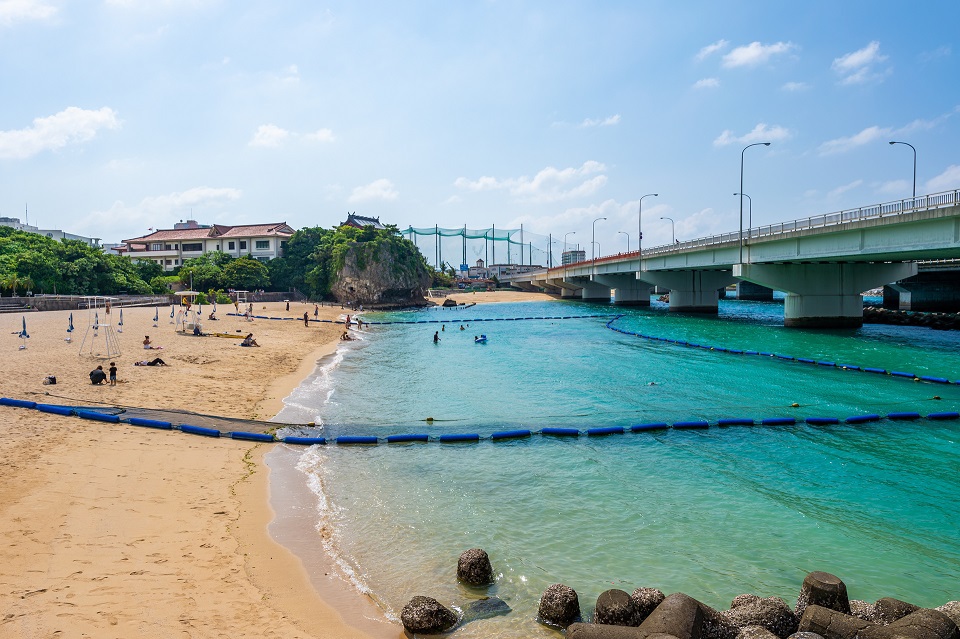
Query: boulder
x=559, y=606
x=473, y=568
x=863, y=610
x=616, y=608
x=740, y=600
x=831, y=624
x=604, y=631
x=645, y=600
x=425, y=615
x=804, y=635
x=485, y=608
x=889, y=610
x=677, y=615
x=755, y=632
x=925, y=623
x=823, y=589
x=771, y=613
x=952, y=610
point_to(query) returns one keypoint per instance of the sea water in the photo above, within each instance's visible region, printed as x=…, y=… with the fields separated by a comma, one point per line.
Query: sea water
x=712, y=513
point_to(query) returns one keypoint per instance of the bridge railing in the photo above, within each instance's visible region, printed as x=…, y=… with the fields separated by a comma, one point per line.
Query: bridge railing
x=897, y=207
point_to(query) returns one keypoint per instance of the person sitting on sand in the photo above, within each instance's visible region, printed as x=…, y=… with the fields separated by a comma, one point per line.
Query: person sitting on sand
x=97, y=376
x=148, y=345
x=153, y=362
x=346, y=337
x=213, y=316
x=249, y=341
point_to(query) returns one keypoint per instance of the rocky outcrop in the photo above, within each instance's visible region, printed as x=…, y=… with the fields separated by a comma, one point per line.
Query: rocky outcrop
x=379, y=276
x=616, y=608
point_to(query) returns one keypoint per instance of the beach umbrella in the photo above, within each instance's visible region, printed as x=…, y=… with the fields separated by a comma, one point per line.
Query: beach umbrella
x=70, y=324
x=23, y=334
x=156, y=315
x=171, y=314
x=96, y=324
x=120, y=323
x=214, y=307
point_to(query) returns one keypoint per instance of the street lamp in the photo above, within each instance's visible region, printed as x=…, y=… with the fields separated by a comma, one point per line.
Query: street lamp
x=565, y=239
x=741, y=192
x=750, y=219
x=593, y=255
x=640, y=224
x=914, y=166
x=628, y=239
x=672, y=228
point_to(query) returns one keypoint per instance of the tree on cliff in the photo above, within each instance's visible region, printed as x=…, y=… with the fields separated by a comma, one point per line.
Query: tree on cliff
x=374, y=263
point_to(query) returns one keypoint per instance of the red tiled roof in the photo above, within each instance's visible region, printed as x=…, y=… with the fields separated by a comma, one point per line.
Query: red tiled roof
x=218, y=230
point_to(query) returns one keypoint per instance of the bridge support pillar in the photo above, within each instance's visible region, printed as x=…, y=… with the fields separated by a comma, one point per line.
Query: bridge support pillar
x=590, y=290
x=629, y=290
x=755, y=292
x=691, y=291
x=929, y=291
x=824, y=295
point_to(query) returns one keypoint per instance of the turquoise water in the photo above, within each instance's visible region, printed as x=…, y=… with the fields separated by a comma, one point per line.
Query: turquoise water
x=713, y=513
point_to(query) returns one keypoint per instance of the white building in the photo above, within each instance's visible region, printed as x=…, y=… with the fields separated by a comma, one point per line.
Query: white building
x=54, y=234
x=170, y=247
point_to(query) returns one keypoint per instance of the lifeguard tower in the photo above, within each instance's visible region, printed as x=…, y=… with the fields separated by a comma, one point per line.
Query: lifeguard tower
x=188, y=315
x=100, y=340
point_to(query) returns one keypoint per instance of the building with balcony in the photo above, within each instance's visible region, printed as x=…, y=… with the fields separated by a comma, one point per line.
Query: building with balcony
x=170, y=247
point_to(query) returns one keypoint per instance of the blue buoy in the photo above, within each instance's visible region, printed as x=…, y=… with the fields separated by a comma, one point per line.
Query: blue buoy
x=639, y=428
x=399, y=439
x=560, y=432
x=305, y=441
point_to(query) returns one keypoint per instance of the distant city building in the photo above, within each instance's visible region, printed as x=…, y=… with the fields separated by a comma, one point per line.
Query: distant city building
x=573, y=256
x=54, y=234
x=359, y=222
x=478, y=271
x=170, y=247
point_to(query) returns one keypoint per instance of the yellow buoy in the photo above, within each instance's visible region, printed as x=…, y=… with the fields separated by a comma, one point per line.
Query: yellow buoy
x=794, y=405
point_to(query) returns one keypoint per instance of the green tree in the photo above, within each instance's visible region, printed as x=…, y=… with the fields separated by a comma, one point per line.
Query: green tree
x=246, y=273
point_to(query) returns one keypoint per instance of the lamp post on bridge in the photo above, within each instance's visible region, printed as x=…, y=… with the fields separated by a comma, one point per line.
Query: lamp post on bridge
x=640, y=225
x=741, y=192
x=914, y=166
x=750, y=218
x=628, y=239
x=593, y=255
x=672, y=228
x=565, y=249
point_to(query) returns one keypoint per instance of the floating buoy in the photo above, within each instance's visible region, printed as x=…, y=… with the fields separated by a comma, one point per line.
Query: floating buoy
x=429, y=420
x=794, y=405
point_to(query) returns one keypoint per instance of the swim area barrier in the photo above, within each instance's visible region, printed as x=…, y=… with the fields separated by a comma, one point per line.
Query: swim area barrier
x=111, y=415
x=444, y=321
x=825, y=364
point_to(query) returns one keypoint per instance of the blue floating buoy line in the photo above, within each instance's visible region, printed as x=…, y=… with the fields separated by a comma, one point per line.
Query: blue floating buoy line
x=790, y=358
x=455, y=438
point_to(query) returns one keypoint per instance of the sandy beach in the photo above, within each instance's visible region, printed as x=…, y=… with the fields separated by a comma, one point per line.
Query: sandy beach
x=115, y=531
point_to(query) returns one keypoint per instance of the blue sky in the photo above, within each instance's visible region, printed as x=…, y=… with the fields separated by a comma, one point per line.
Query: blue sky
x=123, y=115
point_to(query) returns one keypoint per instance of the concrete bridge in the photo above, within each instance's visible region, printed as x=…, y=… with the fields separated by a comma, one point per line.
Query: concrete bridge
x=822, y=263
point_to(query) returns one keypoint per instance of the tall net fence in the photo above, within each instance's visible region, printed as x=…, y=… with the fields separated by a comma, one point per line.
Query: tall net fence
x=464, y=246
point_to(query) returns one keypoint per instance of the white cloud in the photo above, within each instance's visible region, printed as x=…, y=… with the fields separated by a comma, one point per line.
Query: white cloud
x=12, y=11
x=706, y=83
x=158, y=211
x=841, y=145
x=290, y=75
x=269, y=135
x=73, y=125
x=949, y=179
x=710, y=49
x=608, y=121
x=321, y=135
x=936, y=54
x=381, y=189
x=857, y=67
x=755, y=54
x=795, y=86
x=760, y=133
x=840, y=190
x=894, y=187
x=549, y=185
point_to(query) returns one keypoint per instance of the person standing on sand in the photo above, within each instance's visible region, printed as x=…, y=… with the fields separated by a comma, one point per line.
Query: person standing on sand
x=288, y=305
x=306, y=319
x=316, y=311
x=113, y=373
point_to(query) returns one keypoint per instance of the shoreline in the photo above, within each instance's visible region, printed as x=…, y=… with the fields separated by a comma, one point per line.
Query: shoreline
x=99, y=519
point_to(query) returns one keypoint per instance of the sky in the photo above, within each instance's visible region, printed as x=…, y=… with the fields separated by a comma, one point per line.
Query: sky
x=121, y=116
